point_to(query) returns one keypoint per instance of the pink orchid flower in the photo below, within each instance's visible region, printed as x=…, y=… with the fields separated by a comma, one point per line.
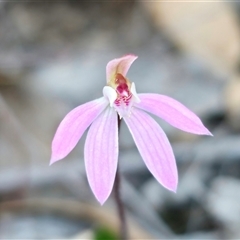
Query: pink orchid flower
x=101, y=146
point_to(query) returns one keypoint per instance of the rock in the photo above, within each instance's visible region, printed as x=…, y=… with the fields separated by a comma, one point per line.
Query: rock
x=223, y=202
x=232, y=103
x=201, y=235
x=209, y=150
x=156, y=195
x=191, y=186
x=75, y=81
x=38, y=227
x=207, y=30
x=87, y=234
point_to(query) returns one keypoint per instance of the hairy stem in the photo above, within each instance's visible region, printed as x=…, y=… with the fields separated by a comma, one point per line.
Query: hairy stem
x=119, y=203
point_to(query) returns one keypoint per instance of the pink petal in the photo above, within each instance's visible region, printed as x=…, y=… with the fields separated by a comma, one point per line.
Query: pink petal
x=172, y=112
x=154, y=148
x=73, y=126
x=101, y=154
x=119, y=65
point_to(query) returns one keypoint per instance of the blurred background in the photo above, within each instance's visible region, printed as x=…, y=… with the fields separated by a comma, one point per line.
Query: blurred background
x=53, y=56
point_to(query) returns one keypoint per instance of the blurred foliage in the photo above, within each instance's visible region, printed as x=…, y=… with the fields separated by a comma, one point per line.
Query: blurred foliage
x=105, y=234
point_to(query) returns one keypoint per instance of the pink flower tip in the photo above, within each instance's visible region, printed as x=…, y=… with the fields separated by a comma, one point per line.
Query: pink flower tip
x=53, y=160
x=174, y=190
x=172, y=186
x=130, y=54
x=205, y=131
x=102, y=202
x=101, y=197
x=209, y=133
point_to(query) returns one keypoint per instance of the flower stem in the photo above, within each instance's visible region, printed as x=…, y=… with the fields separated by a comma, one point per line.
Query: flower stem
x=119, y=203
x=121, y=212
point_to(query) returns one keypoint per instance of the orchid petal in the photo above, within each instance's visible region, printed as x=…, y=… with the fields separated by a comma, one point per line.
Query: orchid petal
x=73, y=126
x=154, y=148
x=101, y=154
x=119, y=65
x=172, y=112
